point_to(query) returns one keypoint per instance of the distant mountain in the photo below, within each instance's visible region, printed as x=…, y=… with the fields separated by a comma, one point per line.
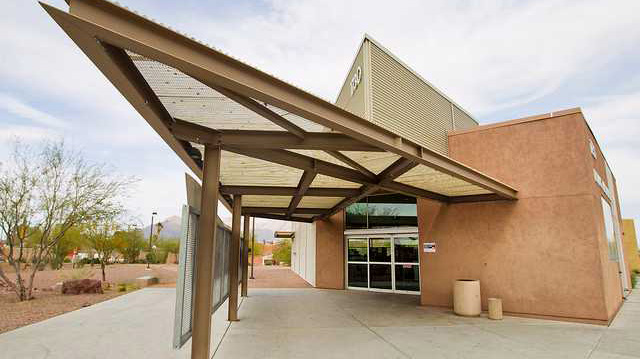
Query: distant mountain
x=170, y=228
x=265, y=228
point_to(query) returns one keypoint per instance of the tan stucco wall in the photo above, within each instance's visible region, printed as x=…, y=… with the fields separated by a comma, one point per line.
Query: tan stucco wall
x=330, y=252
x=542, y=254
x=630, y=244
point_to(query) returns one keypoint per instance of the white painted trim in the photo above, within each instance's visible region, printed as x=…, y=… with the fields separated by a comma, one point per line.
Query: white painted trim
x=392, y=230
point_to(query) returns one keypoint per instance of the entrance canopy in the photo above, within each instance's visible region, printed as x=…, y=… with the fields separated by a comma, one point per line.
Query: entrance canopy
x=290, y=154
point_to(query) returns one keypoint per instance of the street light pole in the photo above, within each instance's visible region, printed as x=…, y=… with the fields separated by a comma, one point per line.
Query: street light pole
x=253, y=244
x=150, y=236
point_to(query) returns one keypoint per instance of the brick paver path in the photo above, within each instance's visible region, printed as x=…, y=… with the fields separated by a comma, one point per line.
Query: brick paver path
x=275, y=277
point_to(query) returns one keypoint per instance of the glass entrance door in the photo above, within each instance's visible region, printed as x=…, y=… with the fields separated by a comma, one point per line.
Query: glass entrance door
x=386, y=262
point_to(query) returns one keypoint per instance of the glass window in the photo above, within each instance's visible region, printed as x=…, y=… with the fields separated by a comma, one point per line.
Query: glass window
x=357, y=250
x=380, y=250
x=407, y=277
x=357, y=275
x=382, y=211
x=380, y=276
x=356, y=216
x=406, y=249
x=609, y=233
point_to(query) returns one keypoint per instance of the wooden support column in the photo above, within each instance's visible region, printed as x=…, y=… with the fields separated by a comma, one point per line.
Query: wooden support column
x=245, y=257
x=234, y=256
x=205, y=256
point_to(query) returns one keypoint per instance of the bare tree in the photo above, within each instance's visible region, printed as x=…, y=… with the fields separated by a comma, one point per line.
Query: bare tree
x=42, y=195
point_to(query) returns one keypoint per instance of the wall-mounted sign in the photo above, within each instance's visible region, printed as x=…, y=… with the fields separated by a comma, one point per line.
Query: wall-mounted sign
x=355, y=80
x=429, y=247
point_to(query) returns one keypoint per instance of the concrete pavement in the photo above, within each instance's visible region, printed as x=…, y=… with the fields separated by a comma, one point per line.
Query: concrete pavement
x=312, y=323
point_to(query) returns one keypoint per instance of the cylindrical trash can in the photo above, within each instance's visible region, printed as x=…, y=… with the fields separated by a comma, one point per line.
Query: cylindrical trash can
x=495, y=308
x=466, y=297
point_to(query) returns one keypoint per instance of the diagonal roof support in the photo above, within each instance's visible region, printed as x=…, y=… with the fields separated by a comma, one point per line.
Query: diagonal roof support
x=282, y=217
x=288, y=191
x=303, y=162
x=262, y=111
x=283, y=210
x=347, y=160
x=192, y=132
x=303, y=186
x=108, y=22
x=396, y=169
x=296, y=160
x=365, y=191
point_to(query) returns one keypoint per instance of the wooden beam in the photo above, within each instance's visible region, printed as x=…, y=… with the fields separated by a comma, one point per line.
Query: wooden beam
x=234, y=256
x=350, y=162
x=296, y=160
x=282, y=217
x=205, y=255
x=385, y=180
x=262, y=111
x=396, y=169
x=475, y=198
x=303, y=186
x=196, y=133
x=288, y=191
x=284, y=210
x=364, y=192
x=122, y=28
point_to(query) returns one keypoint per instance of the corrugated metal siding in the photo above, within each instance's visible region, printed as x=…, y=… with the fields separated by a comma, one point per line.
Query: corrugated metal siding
x=462, y=121
x=404, y=104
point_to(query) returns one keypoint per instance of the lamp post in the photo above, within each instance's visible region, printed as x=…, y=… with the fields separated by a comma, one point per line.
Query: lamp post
x=150, y=237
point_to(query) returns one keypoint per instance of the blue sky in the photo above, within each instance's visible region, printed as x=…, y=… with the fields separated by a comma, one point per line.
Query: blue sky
x=498, y=59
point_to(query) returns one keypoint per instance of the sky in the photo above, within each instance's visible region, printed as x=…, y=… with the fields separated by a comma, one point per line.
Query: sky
x=499, y=60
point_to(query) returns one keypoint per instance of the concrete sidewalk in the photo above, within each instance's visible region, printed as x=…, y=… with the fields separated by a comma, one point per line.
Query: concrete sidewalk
x=348, y=324
x=312, y=323
x=136, y=325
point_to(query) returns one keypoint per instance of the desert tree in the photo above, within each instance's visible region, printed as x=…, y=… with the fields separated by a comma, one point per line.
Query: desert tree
x=44, y=192
x=100, y=236
x=133, y=243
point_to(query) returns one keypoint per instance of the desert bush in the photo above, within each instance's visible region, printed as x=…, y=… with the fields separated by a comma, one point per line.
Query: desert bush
x=282, y=251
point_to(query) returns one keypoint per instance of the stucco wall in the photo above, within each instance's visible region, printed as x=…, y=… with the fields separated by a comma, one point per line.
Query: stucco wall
x=542, y=254
x=330, y=252
x=630, y=244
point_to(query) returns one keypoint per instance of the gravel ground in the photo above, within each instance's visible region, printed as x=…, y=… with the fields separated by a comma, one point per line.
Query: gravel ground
x=47, y=304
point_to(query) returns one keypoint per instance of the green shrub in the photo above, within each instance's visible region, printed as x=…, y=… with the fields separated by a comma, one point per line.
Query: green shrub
x=282, y=251
x=126, y=287
x=67, y=260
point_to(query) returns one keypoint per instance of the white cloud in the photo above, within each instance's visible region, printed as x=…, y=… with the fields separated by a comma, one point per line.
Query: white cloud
x=16, y=107
x=615, y=120
x=27, y=133
x=489, y=56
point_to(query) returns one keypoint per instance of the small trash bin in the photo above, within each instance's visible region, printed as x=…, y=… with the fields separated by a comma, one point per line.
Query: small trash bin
x=466, y=297
x=495, y=308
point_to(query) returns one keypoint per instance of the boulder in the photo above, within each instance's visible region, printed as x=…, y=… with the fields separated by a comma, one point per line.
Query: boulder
x=82, y=286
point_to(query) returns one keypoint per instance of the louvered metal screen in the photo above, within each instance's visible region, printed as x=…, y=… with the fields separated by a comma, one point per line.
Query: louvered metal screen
x=185, y=286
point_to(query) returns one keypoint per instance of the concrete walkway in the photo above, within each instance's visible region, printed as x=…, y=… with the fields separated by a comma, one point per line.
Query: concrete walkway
x=311, y=323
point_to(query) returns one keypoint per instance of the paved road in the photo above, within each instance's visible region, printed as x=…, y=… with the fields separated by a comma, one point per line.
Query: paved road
x=312, y=323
